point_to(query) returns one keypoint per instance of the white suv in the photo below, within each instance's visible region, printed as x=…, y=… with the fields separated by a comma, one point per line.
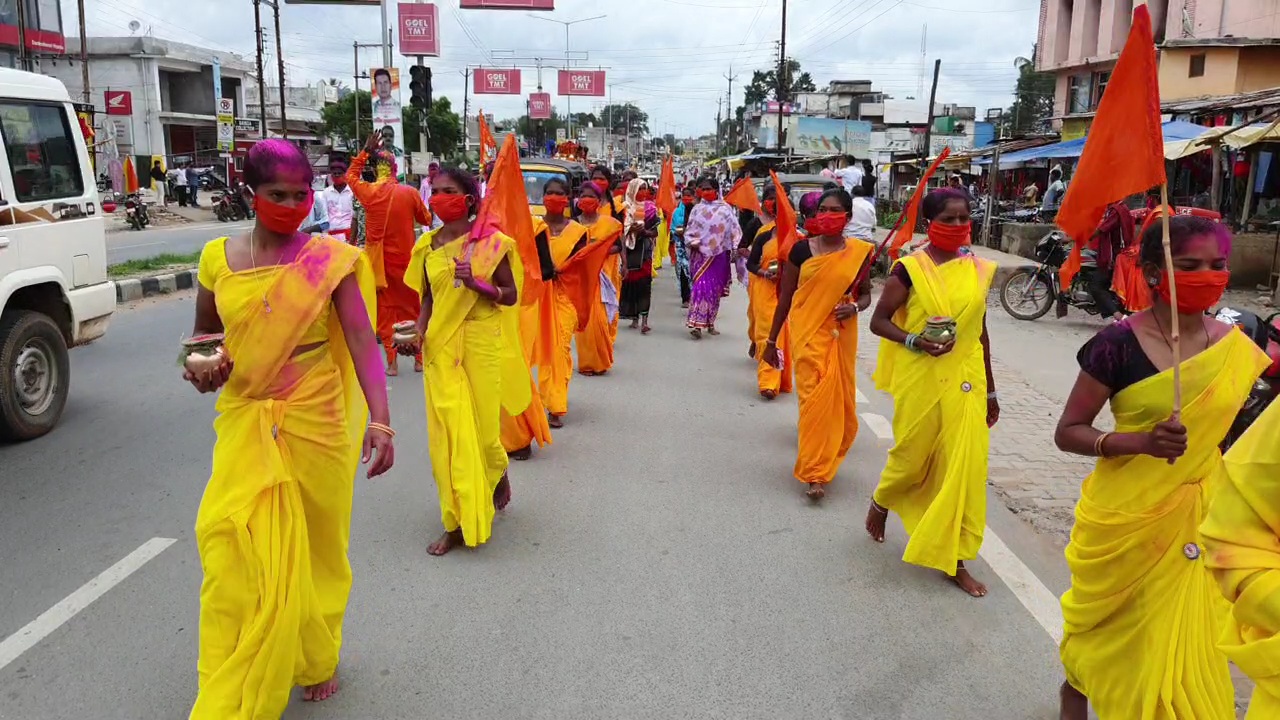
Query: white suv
x=54, y=291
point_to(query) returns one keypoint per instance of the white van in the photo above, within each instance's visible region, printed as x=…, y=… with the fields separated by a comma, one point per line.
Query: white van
x=54, y=292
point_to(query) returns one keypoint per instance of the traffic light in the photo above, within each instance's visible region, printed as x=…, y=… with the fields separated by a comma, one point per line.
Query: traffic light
x=420, y=87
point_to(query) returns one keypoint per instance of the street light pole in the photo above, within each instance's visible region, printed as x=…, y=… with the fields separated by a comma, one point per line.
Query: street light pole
x=567, y=24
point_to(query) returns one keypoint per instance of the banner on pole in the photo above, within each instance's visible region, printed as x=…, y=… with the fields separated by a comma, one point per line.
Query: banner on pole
x=496, y=81
x=419, y=29
x=387, y=117
x=539, y=106
x=582, y=82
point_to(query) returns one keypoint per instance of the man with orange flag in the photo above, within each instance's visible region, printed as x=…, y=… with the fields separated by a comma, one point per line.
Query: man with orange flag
x=391, y=211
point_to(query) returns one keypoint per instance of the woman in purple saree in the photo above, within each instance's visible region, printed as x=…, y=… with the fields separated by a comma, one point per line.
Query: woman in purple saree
x=711, y=233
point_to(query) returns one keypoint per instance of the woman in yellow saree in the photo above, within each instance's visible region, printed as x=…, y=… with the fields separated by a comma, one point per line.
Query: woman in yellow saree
x=564, y=238
x=820, y=298
x=1242, y=544
x=595, y=341
x=1142, y=616
x=474, y=366
x=301, y=376
x=944, y=397
x=765, y=266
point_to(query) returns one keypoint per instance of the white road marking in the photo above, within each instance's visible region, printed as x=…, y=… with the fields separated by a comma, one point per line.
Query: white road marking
x=1034, y=596
x=129, y=247
x=858, y=396
x=53, y=618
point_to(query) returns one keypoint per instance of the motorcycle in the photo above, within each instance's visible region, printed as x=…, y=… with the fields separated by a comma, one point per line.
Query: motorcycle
x=135, y=212
x=1030, y=292
x=230, y=206
x=1266, y=334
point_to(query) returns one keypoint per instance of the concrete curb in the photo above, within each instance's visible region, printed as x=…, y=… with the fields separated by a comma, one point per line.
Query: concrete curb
x=138, y=288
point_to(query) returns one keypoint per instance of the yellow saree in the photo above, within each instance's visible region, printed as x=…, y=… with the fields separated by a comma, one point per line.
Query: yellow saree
x=474, y=368
x=1242, y=543
x=553, y=385
x=826, y=361
x=1142, y=615
x=762, y=303
x=936, y=474
x=275, y=519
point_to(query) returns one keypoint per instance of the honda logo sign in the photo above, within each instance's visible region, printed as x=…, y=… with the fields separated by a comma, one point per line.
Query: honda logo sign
x=119, y=102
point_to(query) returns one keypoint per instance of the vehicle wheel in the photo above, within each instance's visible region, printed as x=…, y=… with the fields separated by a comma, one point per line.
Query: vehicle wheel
x=34, y=375
x=1027, y=294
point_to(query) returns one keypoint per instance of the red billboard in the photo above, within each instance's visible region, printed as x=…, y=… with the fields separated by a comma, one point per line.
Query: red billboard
x=582, y=82
x=119, y=102
x=495, y=81
x=508, y=5
x=419, y=29
x=539, y=106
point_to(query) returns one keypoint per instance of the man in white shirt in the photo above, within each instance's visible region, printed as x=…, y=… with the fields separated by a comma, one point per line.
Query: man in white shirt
x=850, y=176
x=180, y=186
x=424, y=187
x=338, y=201
x=862, y=220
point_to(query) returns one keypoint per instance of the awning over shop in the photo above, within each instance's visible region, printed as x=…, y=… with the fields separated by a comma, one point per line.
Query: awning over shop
x=1233, y=136
x=1176, y=133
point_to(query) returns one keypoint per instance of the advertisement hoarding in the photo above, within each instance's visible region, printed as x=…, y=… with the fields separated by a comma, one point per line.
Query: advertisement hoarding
x=508, y=5
x=830, y=136
x=539, y=106
x=495, y=81
x=589, y=83
x=387, y=116
x=419, y=29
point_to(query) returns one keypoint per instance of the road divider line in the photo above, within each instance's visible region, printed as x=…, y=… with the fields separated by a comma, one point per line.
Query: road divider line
x=55, y=617
x=879, y=425
x=859, y=397
x=1034, y=596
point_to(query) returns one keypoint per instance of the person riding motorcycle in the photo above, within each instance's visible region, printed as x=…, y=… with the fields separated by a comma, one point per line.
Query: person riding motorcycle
x=1097, y=260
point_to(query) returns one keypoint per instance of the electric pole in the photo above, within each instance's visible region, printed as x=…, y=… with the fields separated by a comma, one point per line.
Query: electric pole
x=284, y=125
x=84, y=56
x=262, y=78
x=719, y=105
x=466, y=103
x=782, y=73
x=928, y=129
x=729, y=103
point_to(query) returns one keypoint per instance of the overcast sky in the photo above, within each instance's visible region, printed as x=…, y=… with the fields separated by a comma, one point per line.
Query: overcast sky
x=670, y=57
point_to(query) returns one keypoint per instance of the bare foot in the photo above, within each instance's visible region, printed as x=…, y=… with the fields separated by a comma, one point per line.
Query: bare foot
x=712, y=331
x=417, y=365
x=502, y=493
x=751, y=351
x=555, y=421
x=523, y=453
x=768, y=394
x=816, y=492
x=645, y=329
x=322, y=691
x=876, y=517
x=696, y=333
x=634, y=324
x=445, y=543
x=1073, y=705
x=393, y=367
x=968, y=583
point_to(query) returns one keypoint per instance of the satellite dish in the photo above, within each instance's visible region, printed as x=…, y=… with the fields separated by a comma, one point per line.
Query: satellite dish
x=134, y=25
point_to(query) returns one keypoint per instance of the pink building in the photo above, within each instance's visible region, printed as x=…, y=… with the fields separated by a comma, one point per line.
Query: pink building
x=1208, y=48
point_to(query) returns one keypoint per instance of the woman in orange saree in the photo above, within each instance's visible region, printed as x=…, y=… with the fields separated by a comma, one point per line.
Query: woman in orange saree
x=1142, y=615
x=474, y=365
x=300, y=378
x=944, y=396
x=820, y=301
x=765, y=266
x=565, y=238
x=595, y=340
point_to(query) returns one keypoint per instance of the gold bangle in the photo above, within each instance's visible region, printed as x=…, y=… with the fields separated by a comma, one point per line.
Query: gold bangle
x=1098, y=448
x=384, y=429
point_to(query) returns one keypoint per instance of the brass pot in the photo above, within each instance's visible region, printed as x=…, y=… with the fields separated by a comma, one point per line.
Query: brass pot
x=938, y=329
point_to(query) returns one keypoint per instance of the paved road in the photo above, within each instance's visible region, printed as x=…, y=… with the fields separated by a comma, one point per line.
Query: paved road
x=136, y=245
x=657, y=562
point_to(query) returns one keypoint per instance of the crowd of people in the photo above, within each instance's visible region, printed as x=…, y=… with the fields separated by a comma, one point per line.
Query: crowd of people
x=313, y=322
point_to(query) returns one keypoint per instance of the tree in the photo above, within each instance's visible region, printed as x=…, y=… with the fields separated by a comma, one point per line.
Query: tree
x=581, y=120
x=764, y=84
x=339, y=119
x=625, y=119
x=443, y=125
x=1033, y=98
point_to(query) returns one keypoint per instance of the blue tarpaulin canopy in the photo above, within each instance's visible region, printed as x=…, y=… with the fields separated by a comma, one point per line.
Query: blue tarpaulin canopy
x=1173, y=130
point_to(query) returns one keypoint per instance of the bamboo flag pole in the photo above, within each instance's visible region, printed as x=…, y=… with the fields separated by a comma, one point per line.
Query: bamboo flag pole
x=1175, y=342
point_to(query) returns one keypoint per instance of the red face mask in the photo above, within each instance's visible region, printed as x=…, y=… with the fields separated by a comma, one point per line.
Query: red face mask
x=948, y=238
x=555, y=204
x=588, y=204
x=708, y=195
x=449, y=207
x=826, y=223
x=1198, y=290
x=770, y=206
x=644, y=196
x=602, y=186
x=687, y=199
x=282, y=219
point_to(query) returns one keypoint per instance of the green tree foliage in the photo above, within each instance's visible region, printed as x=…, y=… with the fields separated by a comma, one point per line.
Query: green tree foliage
x=1032, y=101
x=764, y=84
x=339, y=121
x=624, y=117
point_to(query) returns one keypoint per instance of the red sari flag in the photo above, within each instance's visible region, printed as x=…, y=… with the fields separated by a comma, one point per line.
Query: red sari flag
x=906, y=226
x=667, y=201
x=488, y=146
x=787, y=229
x=743, y=196
x=1124, y=152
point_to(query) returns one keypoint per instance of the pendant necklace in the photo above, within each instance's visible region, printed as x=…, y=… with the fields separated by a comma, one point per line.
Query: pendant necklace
x=266, y=304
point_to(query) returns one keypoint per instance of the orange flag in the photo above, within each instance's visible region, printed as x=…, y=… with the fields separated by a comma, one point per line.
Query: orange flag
x=487, y=144
x=911, y=213
x=1124, y=153
x=130, y=176
x=743, y=196
x=788, y=231
x=667, y=201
